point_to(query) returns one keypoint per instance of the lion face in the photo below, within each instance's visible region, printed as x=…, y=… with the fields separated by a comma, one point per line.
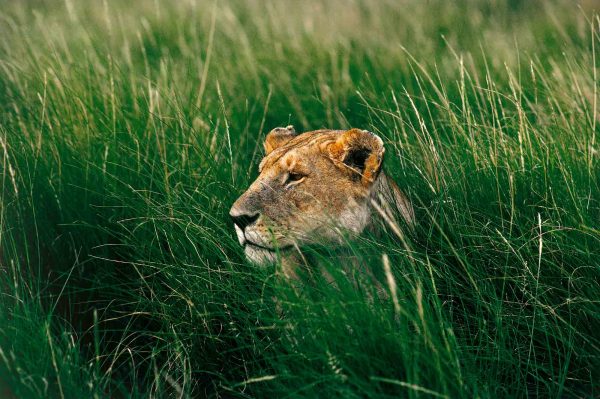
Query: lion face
x=311, y=187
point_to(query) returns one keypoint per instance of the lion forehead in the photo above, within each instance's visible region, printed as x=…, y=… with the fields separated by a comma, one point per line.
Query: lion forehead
x=308, y=143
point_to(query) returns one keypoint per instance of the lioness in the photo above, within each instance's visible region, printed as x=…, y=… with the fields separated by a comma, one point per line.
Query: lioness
x=311, y=187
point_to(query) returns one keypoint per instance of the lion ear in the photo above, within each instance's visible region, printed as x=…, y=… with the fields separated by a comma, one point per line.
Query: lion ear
x=360, y=152
x=278, y=137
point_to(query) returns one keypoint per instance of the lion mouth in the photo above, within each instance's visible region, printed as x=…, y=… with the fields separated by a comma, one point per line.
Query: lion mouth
x=265, y=248
x=246, y=243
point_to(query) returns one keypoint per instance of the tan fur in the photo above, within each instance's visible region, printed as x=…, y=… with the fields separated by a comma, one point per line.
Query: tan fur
x=311, y=187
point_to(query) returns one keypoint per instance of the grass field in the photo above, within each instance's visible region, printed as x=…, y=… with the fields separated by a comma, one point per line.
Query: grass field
x=127, y=130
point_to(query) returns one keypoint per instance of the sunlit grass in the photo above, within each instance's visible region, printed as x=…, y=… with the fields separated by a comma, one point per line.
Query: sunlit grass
x=128, y=129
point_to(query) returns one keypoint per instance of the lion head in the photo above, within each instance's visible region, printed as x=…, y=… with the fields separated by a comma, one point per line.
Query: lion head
x=311, y=187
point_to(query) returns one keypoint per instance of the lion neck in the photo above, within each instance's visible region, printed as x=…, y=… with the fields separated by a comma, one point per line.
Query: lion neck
x=387, y=201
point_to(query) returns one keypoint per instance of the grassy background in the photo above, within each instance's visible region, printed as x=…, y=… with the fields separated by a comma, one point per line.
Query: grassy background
x=128, y=129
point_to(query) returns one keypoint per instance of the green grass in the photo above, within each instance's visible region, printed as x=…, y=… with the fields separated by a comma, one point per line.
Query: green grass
x=128, y=129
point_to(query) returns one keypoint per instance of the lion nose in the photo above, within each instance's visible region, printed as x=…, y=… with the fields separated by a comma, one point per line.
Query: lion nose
x=242, y=220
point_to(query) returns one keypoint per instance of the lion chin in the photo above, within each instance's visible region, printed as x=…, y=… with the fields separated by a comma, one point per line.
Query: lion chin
x=259, y=256
x=310, y=187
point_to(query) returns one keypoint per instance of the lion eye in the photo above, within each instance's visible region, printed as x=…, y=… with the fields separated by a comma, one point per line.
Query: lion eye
x=295, y=177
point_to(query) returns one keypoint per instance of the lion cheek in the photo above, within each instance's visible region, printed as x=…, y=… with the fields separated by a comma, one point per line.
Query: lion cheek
x=355, y=218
